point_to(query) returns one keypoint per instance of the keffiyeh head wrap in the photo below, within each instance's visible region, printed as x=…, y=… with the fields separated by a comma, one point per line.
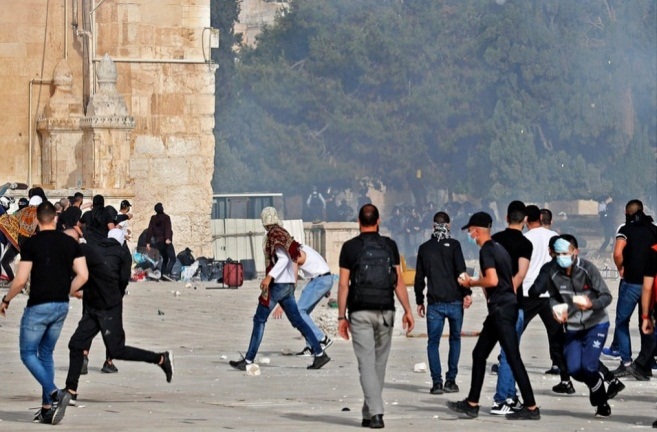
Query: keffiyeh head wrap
x=441, y=231
x=269, y=217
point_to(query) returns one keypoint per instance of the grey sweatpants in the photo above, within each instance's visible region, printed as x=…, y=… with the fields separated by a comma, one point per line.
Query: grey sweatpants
x=371, y=332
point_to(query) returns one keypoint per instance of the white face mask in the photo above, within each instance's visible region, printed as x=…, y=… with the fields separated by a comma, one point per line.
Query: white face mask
x=565, y=261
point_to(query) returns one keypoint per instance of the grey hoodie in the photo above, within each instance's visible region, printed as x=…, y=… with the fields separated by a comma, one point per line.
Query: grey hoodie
x=585, y=280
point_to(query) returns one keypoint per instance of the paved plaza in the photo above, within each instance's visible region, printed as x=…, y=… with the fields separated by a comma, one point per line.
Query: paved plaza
x=207, y=327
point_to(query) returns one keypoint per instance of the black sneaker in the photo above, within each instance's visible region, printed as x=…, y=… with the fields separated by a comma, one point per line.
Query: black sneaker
x=74, y=400
x=554, y=370
x=319, y=361
x=326, y=342
x=437, y=389
x=603, y=410
x=239, y=364
x=615, y=386
x=109, y=368
x=60, y=400
x=44, y=416
x=502, y=408
x=376, y=422
x=306, y=352
x=564, y=388
x=464, y=407
x=637, y=373
x=451, y=387
x=524, y=414
x=85, y=366
x=167, y=365
x=620, y=371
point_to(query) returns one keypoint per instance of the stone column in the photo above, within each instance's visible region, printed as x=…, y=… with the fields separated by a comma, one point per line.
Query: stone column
x=60, y=134
x=107, y=131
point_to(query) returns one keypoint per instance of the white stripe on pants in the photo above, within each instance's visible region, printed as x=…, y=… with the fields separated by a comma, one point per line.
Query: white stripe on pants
x=371, y=332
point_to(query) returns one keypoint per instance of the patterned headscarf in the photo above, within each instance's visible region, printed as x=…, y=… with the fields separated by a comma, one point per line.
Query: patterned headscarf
x=269, y=217
x=441, y=231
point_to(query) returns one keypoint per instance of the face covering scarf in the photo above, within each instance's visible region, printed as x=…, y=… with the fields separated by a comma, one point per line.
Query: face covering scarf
x=441, y=231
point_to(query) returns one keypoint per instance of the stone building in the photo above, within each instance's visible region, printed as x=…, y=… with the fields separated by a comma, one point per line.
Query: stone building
x=113, y=97
x=254, y=14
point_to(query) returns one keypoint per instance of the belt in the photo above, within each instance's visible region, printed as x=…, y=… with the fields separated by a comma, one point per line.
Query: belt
x=322, y=275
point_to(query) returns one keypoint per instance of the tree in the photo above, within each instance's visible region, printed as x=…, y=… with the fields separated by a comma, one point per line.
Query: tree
x=480, y=97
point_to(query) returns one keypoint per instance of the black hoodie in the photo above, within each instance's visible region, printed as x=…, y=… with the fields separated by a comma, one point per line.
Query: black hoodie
x=109, y=266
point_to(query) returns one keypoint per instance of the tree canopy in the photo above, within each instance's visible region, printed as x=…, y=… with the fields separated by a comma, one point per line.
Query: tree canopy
x=540, y=100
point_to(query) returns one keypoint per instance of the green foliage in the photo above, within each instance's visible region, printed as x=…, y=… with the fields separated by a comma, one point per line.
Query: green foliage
x=534, y=100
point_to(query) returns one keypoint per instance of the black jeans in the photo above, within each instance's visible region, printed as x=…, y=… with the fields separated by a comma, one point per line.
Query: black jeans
x=168, y=254
x=7, y=258
x=110, y=324
x=500, y=326
x=555, y=331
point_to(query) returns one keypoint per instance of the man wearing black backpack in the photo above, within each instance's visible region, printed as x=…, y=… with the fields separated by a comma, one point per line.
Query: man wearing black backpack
x=369, y=275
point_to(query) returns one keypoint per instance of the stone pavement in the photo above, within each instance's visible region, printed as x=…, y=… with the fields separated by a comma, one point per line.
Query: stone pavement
x=205, y=328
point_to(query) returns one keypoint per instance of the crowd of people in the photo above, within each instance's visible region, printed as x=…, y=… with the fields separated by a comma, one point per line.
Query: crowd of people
x=524, y=274
x=525, y=270
x=66, y=253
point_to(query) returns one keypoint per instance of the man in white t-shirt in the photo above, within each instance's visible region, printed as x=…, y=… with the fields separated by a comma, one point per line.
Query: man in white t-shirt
x=314, y=268
x=538, y=223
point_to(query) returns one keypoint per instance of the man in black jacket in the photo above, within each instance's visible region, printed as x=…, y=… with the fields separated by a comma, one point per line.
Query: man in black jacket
x=159, y=228
x=441, y=261
x=109, y=273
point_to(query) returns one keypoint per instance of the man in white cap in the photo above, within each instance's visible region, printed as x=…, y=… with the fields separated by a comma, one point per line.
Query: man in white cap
x=281, y=255
x=109, y=265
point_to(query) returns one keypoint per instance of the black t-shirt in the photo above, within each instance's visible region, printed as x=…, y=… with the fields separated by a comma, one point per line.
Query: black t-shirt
x=69, y=218
x=121, y=217
x=639, y=239
x=51, y=254
x=651, y=264
x=516, y=244
x=350, y=252
x=96, y=231
x=494, y=255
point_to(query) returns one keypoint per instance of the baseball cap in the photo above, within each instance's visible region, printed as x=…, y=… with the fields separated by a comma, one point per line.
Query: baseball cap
x=479, y=219
x=125, y=203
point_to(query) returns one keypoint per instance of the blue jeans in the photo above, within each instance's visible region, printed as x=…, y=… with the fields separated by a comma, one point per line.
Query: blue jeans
x=310, y=296
x=436, y=314
x=40, y=328
x=282, y=293
x=629, y=296
x=506, y=383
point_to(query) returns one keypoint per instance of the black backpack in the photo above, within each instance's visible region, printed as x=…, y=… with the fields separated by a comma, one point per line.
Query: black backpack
x=374, y=277
x=186, y=258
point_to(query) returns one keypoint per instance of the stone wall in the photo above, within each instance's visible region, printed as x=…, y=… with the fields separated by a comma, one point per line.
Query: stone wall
x=254, y=14
x=158, y=48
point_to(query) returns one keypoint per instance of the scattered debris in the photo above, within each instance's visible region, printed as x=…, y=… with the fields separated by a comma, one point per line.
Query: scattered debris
x=253, y=369
x=420, y=367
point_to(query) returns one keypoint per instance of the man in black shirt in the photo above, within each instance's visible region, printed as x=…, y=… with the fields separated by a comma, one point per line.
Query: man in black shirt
x=71, y=215
x=441, y=261
x=97, y=222
x=499, y=326
x=633, y=240
x=57, y=269
x=371, y=307
x=520, y=250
